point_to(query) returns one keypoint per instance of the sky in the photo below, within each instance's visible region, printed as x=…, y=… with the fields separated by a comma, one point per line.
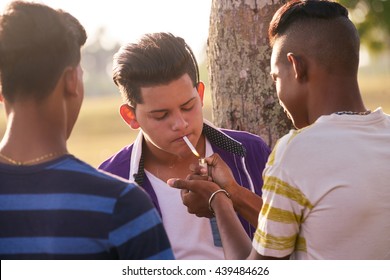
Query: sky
x=126, y=20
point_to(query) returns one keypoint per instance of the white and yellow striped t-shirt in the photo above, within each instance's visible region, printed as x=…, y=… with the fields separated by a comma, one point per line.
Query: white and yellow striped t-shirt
x=327, y=191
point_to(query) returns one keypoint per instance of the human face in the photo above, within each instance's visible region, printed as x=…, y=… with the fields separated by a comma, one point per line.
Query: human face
x=168, y=113
x=278, y=76
x=289, y=89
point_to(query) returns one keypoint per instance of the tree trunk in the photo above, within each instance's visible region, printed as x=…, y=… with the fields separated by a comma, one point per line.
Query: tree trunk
x=238, y=52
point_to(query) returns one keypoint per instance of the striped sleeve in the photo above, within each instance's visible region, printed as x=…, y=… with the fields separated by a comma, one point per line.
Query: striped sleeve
x=277, y=234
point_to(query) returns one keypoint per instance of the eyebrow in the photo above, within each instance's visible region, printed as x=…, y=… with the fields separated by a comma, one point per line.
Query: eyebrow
x=164, y=110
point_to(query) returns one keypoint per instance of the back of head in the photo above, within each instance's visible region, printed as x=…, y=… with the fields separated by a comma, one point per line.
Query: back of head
x=36, y=44
x=320, y=29
x=156, y=59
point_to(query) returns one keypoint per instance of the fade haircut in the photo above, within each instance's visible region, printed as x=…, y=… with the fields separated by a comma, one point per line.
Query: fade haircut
x=36, y=44
x=156, y=59
x=319, y=28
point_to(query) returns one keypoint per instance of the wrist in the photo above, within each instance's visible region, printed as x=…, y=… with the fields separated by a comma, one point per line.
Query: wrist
x=213, y=195
x=233, y=189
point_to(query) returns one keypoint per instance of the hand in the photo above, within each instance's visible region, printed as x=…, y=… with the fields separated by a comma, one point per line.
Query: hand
x=219, y=172
x=195, y=194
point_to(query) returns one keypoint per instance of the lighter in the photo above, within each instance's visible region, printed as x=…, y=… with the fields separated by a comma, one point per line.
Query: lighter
x=202, y=161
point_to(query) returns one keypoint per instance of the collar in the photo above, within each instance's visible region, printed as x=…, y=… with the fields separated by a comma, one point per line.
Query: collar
x=214, y=134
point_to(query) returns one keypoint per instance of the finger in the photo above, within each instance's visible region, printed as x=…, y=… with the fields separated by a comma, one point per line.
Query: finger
x=213, y=159
x=197, y=177
x=178, y=183
x=197, y=169
x=184, y=193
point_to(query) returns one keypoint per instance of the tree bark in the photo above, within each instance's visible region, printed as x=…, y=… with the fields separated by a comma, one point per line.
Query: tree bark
x=238, y=52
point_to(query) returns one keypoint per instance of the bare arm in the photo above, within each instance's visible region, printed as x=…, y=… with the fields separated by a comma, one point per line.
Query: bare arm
x=245, y=202
x=235, y=241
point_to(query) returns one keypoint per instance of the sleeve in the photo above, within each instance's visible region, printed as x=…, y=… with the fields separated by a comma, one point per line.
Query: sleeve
x=137, y=231
x=278, y=231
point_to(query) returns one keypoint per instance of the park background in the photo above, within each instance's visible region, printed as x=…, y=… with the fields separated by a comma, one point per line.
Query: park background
x=100, y=131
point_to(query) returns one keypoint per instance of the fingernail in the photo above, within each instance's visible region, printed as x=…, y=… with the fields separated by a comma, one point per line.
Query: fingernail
x=171, y=181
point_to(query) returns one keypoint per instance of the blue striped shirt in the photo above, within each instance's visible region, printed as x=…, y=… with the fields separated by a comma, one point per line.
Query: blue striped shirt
x=66, y=209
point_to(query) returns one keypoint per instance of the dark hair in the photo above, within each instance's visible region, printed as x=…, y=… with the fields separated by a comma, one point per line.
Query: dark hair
x=36, y=44
x=298, y=10
x=318, y=28
x=156, y=59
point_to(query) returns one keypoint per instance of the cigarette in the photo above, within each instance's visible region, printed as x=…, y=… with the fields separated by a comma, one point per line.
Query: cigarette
x=202, y=161
x=190, y=146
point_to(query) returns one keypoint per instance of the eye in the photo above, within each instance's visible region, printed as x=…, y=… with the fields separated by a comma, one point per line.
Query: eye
x=189, y=106
x=159, y=115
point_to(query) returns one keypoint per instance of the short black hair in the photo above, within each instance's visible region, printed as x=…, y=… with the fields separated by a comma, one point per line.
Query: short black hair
x=156, y=59
x=36, y=44
x=318, y=28
x=297, y=10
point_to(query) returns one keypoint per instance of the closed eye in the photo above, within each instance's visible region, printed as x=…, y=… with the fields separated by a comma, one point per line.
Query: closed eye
x=158, y=115
x=189, y=105
x=187, y=108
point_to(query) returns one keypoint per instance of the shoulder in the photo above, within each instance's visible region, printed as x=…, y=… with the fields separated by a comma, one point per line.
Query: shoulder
x=248, y=140
x=244, y=137
x=89, y=179
x=300, y=145
x=119, y=163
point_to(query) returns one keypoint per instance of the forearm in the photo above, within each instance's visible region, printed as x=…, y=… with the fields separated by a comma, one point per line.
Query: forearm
x=246, y=203
x=235, y=241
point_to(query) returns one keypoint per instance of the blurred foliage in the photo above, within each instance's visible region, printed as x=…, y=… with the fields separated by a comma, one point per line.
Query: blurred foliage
x=372, y=19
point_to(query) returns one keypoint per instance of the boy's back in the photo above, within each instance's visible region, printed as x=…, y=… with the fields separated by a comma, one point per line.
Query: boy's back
x=65, y=209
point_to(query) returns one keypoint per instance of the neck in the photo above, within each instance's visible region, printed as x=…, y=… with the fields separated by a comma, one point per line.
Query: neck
x=32, y=136
x=341, y=96
x=155, y=156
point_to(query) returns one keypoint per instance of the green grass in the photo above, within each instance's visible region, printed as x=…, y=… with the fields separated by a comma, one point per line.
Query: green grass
x=100, y=131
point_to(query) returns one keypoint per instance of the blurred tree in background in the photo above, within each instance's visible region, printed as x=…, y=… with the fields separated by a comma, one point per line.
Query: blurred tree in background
x=372, y=19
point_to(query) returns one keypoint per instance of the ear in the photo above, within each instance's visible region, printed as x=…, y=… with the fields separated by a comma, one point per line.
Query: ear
x=128, y=115
x=299, y=65
x=71, y=80
x=200, y=88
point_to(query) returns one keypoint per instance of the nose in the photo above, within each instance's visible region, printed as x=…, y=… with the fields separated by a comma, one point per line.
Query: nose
x=179, y=122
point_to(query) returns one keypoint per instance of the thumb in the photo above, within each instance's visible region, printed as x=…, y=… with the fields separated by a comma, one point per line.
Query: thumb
x=177, y=183
x=213, y=159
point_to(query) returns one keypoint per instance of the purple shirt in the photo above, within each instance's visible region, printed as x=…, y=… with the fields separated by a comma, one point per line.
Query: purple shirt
x=246, y=154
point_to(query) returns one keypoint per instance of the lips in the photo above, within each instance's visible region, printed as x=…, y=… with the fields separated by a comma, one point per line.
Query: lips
x=179, y=139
